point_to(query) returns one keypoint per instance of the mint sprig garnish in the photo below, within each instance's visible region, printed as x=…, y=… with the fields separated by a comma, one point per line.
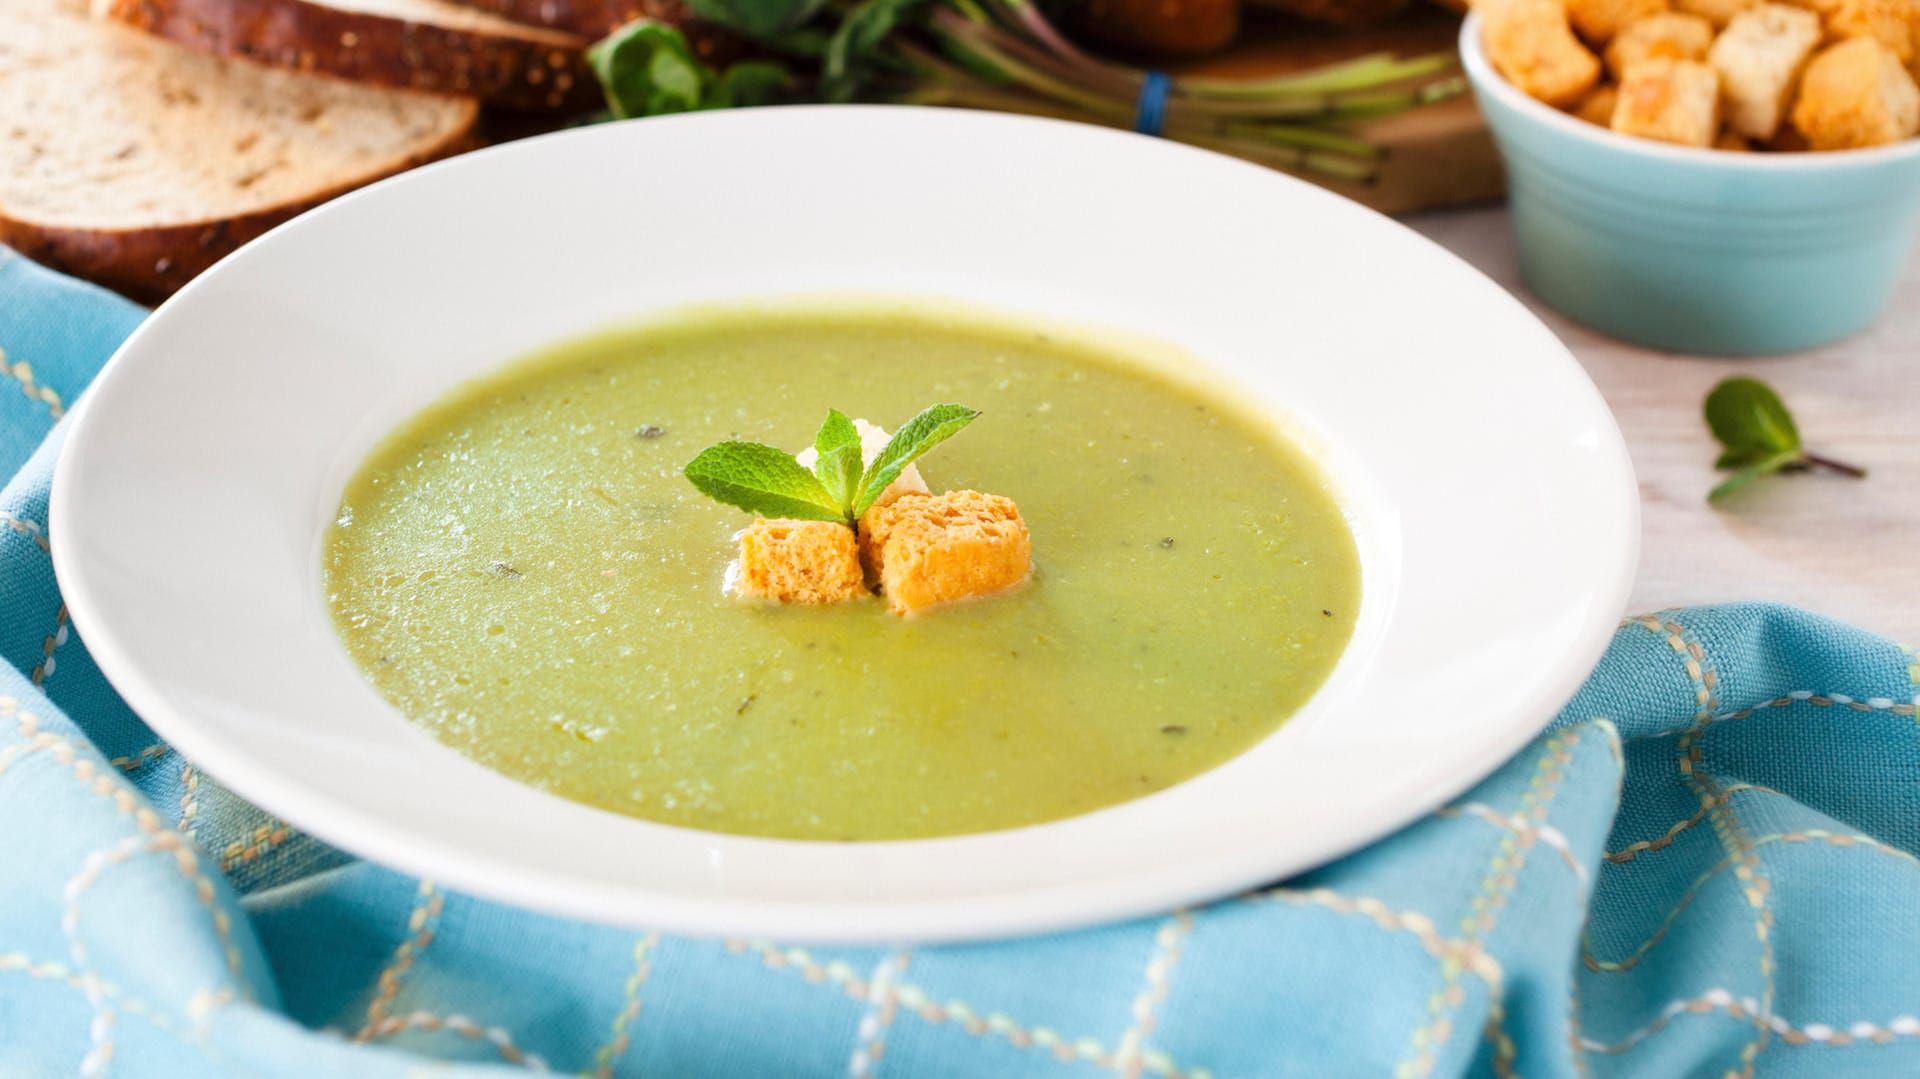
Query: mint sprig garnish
x=1758, y=436
x=920, y=434
x=839, y=465
x=762, y=479
x=768, y=481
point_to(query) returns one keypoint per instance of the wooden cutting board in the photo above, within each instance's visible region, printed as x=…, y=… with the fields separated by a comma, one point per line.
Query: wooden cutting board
x=1437, y=156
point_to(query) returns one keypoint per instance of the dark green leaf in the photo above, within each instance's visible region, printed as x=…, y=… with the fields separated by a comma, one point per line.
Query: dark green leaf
x=1733, y=459
x=1747, y=416
x=920, y=434
x=761, y=479
x=757, y=18
x=840, y=464
x=646, y=68
x=807, y=43
x=853, y=53
x=1763, y=467
x=749, y=83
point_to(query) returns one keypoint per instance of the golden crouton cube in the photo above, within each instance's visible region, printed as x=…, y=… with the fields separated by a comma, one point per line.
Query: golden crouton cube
x=1670, y=100
x=925, y=550
x=1597, y=106
x=1893, y=23
x=1732, y=140
x=1759, y=56
x=1856, y=94
x=1533, y=47
x=1599, y=20
x=799, y=562
x=1718, y=12
x=1671, y=36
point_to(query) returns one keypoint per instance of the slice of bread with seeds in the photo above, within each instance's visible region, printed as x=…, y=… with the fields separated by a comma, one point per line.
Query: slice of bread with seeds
x=136, y=164
x=431, y=45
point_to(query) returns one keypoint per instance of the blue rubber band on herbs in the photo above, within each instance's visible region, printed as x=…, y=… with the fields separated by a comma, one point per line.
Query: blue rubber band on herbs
x=1150, y=111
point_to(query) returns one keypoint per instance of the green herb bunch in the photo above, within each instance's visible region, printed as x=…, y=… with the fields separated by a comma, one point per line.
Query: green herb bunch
x=1758, y=437
x=769, y=481
x=1006, y=55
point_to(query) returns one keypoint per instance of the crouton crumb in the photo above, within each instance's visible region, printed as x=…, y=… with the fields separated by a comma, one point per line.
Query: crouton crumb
x=926, y=550
x=798, y=562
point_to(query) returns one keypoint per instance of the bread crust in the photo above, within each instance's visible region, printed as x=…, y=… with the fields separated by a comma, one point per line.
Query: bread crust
x=540, y=70
x=149, y=264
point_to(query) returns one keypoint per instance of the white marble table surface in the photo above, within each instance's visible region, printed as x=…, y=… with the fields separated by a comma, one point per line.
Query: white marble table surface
x=1841, y=547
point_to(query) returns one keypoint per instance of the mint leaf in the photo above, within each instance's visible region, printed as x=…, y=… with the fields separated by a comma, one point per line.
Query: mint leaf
x=1737, y=459
x=647, y=68
x=749, y=83
x=854, y=51
x=762, y=479
x=1750, y=420
x=920, y=434
x=840, y=463
x=1758, y=436
x=1766, y=466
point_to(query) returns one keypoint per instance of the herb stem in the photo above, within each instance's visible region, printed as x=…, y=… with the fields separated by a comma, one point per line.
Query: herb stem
x=1841, y=467
x=1028, y=18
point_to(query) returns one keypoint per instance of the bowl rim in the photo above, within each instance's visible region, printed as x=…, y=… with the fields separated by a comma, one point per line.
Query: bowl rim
x=1486, y=80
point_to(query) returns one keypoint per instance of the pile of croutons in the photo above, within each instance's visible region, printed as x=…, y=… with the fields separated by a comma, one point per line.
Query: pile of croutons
x=1731, y=74
x=916, y=549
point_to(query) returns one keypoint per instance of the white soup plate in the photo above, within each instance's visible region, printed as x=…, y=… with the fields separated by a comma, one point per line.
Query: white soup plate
x=1487, y=484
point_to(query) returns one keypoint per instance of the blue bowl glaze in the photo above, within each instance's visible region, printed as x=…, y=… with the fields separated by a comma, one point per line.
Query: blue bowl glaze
x=1704, y=251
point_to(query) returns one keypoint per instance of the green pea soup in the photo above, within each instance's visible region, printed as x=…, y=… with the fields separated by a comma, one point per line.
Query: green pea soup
x=523, y=570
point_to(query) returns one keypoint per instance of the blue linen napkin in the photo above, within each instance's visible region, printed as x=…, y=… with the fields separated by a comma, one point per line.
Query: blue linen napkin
x=1704, y=867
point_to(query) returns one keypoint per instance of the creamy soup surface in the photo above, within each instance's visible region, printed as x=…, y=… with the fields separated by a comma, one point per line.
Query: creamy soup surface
x=523, y=570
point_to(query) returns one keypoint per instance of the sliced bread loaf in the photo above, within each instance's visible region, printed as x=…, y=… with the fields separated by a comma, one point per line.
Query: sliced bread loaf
x=136, y=164
x=416, y=44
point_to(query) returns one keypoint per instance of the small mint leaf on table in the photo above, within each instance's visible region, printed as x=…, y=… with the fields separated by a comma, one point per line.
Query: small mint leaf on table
x=1748, y=417
x=1758, y=436
x=1765, y=466
x=918, y=435
x=764, y=480
x=840, y=464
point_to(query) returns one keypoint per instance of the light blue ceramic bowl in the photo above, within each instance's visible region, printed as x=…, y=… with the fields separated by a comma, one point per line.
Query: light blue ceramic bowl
x=1704, y=251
